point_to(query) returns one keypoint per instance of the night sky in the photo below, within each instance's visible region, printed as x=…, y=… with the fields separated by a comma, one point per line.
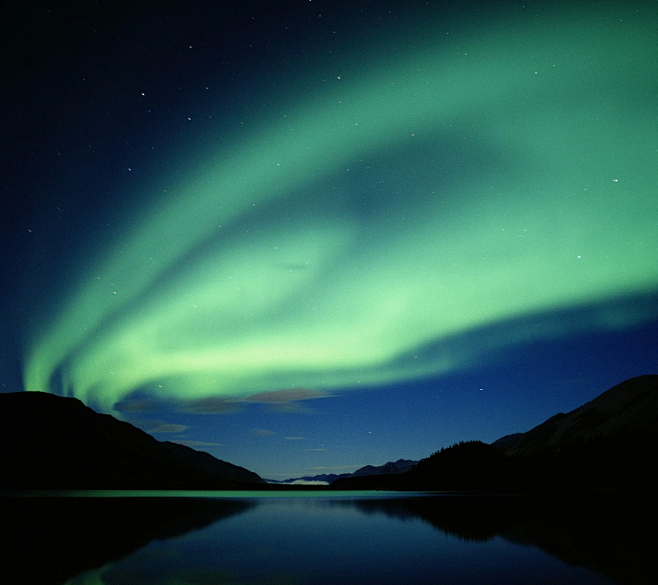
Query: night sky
x=310, y=236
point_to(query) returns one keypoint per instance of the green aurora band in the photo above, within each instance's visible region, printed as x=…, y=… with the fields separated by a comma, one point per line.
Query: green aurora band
x=471, y=183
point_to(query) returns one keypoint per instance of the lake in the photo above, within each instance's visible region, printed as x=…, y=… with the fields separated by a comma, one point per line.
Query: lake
x=276, y=538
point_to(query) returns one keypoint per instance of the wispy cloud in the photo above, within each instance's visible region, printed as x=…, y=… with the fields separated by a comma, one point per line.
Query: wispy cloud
x=295, y=438
x=168, y=428
x=198, y=444
x=211, y=405
x=289, y=407
x=289, y=400
x=261, y=432
x=136, y=405
x=287, y=395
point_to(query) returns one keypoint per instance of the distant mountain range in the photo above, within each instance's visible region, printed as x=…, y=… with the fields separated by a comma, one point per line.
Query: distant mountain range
x=51, y=442
x=391, y=467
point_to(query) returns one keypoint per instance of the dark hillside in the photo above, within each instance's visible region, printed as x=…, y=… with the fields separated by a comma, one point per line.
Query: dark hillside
x=51, y=442
x=608, y=443
x=626, y=411
x=466, y=466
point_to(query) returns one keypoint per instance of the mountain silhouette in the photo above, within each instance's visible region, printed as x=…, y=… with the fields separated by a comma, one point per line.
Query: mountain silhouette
x=392, y=467
x=52, y=442
x=629, y=409
x=470, y=465
x=608, y=443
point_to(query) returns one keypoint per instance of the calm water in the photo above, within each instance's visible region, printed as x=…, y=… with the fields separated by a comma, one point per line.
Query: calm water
x=320, y=539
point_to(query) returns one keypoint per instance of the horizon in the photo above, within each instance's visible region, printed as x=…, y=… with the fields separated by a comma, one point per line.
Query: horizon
x=300, y=479
x=306, y=238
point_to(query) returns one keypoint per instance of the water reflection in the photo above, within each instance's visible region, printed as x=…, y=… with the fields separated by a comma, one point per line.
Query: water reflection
x=50, y=540
x=393, y=539
x=604, y=532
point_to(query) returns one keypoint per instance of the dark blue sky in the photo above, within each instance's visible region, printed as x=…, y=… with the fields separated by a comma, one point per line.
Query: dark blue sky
x=307, y=237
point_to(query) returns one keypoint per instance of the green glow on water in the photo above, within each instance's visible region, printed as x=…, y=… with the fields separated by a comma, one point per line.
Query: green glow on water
x=219, y=494
x=439, y=193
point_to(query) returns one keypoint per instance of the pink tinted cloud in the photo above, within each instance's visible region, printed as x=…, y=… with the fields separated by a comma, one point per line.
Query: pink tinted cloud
x=283, y=396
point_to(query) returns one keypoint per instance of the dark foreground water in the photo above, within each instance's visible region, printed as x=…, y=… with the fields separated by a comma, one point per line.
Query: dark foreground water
x=326, y=538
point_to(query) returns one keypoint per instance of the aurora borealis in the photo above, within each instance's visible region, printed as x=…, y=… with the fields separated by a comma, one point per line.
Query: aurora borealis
x=249, y=208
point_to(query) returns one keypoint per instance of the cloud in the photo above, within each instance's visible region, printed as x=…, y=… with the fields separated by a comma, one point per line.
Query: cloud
x=136, y=405
x=168, y=428
x=198, y=444
x=288, y=400
x=278, y=400
x=283, y=396
x=289, y=407
x=210, y=405
x=295, y=438
x=261, y=432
